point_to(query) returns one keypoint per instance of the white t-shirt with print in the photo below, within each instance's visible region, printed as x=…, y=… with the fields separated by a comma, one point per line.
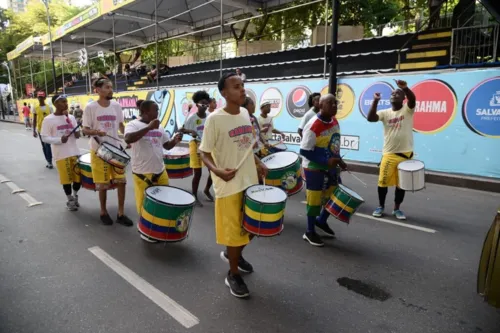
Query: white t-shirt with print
x=308, y=116
x=57, y=126
x=228, y=138
x=103, y=119
x=398, y=129
x=147, y=153
x=266, y=126
x=197, y=124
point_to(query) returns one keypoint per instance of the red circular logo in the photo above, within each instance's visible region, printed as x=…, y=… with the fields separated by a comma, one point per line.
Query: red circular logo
x=436, y=106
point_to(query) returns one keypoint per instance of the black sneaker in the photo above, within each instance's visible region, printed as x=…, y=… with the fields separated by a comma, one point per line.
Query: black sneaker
x=313, y=238
x=325, y=228
x=106, y=219
x=243, y=265
x=124, y=220
x=237, y=286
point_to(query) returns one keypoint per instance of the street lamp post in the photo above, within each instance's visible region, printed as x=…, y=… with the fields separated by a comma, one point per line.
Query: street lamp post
x=6, y=65
x=46, y=3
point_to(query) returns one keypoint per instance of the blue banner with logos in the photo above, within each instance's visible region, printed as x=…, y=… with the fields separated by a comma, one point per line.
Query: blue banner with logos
x=456, y=122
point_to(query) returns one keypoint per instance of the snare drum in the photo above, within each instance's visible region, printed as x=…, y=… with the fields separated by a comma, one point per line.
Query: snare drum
x=411, y=175
x=264, y=210
x=343, y=203
x=277, y=146
x=166, y=214
x=113, y=155
x=177, y=162
x=284, y=171
x=86, y=173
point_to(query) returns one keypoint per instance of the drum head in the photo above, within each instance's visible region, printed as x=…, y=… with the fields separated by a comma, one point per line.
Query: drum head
x=277, y=144
x=85, y=158
x=266, y=194
x=176, y=151
x=350, y=192
x=411, y=165
x=280, y=160
x=115, y=149
x=170, y=195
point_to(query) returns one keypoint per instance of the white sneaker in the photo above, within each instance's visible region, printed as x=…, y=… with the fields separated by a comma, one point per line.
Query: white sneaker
x=71, y=205
x=77, y=204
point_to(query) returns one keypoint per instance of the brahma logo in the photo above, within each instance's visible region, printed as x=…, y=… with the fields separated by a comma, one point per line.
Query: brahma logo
x=436, y=106
x=481, y=108
x=296, y=102
x=273, y=96
x=366, y=98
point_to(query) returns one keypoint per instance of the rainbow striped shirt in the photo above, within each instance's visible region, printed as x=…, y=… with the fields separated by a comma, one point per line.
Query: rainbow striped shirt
x=320, y=142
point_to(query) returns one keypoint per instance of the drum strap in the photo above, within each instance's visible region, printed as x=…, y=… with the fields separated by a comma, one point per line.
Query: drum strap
x=151, y=182
x=400, y=155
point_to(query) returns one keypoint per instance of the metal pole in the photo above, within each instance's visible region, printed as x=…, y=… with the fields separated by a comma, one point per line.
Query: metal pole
x=44, y=69
x=221, y=32
x=31, y=76
x=156, y=47
x=45, y=2
x=62, y=68
x=326, y=35
x=13, y=96
x=333, y=65
x=114, y=51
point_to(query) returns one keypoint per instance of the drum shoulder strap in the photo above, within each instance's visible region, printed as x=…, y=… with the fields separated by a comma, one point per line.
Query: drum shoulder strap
x=400, y=155
x=151, y=182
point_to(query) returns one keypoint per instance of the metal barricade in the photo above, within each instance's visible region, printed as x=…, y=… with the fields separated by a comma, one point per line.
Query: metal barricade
x=474, y=45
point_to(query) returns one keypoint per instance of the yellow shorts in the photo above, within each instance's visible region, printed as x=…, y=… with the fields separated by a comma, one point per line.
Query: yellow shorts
x=104, y=173
x=195, y=161
x=388, y=175
x=68, y=170
x=140, y=186
x=228, y=219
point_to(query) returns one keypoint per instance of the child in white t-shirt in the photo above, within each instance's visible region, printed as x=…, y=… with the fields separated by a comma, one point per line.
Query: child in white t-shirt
x=57, y=131
x=266, y=122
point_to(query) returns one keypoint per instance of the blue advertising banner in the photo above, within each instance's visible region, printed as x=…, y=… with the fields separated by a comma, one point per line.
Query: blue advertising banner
x=456, y=123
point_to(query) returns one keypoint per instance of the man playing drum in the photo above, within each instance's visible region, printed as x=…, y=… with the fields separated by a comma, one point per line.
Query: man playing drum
x=320, y=148
x=194, y=126
x=148, y=139
x=226, y=149
x=56, y=131
x=261, y=144
x=398, y=143
x=266, y=122
x=103, y=118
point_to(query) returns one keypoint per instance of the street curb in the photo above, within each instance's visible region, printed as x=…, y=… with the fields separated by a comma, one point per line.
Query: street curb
x=454, y=180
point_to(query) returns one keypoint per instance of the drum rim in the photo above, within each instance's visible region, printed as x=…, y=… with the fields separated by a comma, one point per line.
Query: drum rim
x=342, y=185
x=412, y=160
x=273, y=203
x=110, y=144
x=175, y=205
x=176, y=157
x=285, y=167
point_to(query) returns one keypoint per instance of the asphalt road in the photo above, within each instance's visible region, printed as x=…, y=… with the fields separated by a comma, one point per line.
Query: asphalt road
x=51, y=282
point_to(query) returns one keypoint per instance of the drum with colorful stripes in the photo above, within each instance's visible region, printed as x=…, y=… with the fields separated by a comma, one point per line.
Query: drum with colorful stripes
x=343, y=203
x=166, y=214
x=85, y=169
x=264, y=210
x=284, y=171
x=177, y=162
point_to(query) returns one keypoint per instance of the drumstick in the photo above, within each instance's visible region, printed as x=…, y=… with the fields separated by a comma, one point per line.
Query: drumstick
x=359, y=180
x=74, y=129
x=249, y=150
x=275, y=144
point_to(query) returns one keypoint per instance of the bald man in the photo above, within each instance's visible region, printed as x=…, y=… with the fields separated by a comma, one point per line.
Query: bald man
x=320, y=148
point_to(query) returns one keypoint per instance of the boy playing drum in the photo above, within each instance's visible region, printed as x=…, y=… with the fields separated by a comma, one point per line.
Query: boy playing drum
x=227, y=143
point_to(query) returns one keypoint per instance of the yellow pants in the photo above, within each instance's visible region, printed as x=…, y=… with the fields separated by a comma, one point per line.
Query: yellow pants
x=195, y=161
x=388, y=175
x=228, y=220
x=68, y=170
x=104, y=173
x=140, y=186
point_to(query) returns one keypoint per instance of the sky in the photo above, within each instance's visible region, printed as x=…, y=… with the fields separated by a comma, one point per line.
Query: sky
x=78, y=3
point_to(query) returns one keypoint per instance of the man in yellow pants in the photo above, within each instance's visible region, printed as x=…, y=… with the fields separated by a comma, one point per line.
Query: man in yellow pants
x=148, y=139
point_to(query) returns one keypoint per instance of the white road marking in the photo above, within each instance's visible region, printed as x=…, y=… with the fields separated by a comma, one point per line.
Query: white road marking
x=30, y=200
x=3, y=179
x=399, y=224
x=183, y=316
x=15, y=189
